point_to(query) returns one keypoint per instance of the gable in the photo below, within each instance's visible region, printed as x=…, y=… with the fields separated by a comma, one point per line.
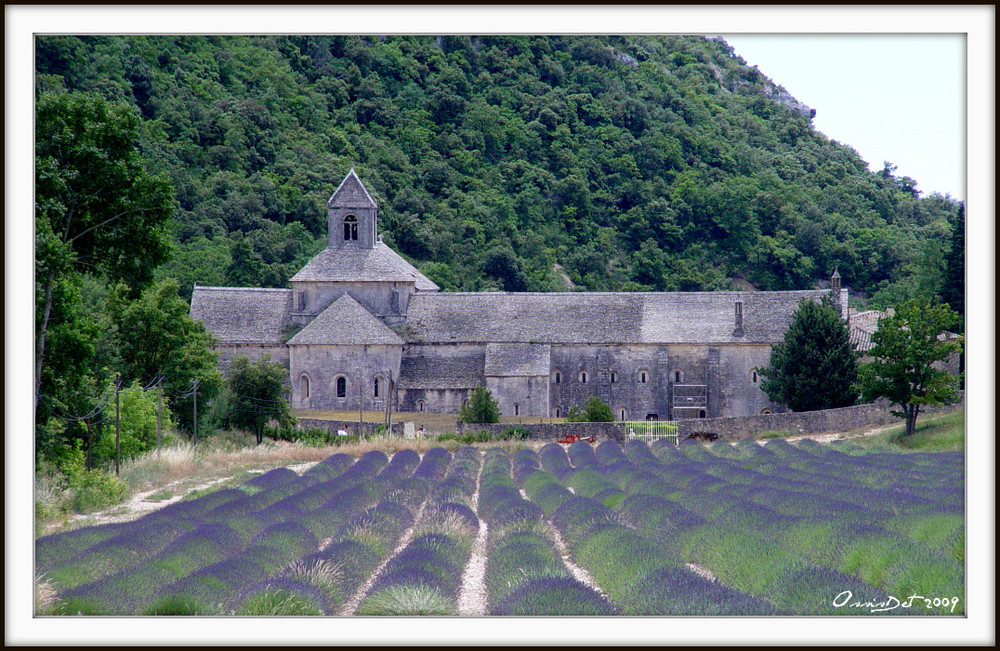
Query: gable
x=346, y=322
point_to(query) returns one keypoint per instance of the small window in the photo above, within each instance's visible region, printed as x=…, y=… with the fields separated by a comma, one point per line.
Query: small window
x=376, y=386
x=677, y=375
x=558, y=412
x=738, y=305
x=350, y=228
x=766, y=411
x=304, y=386
x=302, y=300
x=420, y=406
x=341, y=387
x=583, y=377
x=643, y=377
x=614, y=377
x=621, y=414
x=557, y=377
x=701, y=413
x=754, y=377
x=517, y=409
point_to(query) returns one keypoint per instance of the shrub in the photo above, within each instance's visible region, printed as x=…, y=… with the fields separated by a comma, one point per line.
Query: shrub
x=594, y=410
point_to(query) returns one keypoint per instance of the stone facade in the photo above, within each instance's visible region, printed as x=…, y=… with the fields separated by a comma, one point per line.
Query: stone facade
x=361, y=326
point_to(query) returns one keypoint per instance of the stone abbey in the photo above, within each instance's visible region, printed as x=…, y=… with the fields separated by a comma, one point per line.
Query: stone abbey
x=361, y=326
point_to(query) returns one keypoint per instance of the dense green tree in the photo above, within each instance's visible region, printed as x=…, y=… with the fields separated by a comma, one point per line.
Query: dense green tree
x=97, y=208
x=907, y=347
x=156, y=337
x=481, y=407
x=256, y=393
x=594, y=410
x=814, y=367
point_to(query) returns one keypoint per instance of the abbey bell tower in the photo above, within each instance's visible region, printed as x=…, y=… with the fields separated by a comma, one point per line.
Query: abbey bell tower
x=352, y=216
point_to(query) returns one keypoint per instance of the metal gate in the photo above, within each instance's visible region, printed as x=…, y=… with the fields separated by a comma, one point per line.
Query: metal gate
x=650, y=430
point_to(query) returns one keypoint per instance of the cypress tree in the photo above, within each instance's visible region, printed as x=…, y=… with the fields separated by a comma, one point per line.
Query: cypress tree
x=953, y=292
x=814, y=367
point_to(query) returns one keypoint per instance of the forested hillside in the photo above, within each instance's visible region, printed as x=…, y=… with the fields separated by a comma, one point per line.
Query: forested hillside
x=517, y=163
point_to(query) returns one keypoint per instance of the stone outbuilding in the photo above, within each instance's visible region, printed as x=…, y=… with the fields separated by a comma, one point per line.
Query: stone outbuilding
x=361, y=326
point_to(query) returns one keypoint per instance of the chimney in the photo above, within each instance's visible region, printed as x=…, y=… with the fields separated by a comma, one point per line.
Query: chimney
x=738, y=313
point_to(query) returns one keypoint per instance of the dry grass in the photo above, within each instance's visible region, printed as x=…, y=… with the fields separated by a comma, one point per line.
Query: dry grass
x=433, y=423
x=45, y=594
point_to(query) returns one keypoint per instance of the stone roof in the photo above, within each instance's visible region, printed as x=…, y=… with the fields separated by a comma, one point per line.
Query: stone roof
x=346, y=322
x=242, y=315
x=351, y=193
x=379, y=264
x=438, y=371
x=602, y=318
x=861, y=328
x=516, y=360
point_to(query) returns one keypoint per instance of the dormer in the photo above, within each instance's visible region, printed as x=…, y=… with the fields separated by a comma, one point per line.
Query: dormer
x=352, y=216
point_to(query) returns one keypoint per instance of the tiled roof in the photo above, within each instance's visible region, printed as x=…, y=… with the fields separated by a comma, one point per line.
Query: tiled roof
x=356, y=264
x=243, y=315
x=351, y=193
x=345, y=322
x=602, y=318
x=439, y=371
x=517, y=360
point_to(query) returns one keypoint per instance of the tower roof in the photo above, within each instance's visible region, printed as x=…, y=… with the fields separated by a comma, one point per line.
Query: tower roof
x=351, y=193
x=378, y=264
x=346, y=322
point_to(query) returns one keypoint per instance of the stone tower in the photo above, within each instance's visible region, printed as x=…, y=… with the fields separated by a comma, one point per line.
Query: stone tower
x=352, y=216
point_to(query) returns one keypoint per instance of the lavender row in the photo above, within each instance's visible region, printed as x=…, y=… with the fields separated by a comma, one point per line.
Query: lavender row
x=640, y=576
x=425, y=577
x=756, y=548
x=254, y=542
x=525, y=574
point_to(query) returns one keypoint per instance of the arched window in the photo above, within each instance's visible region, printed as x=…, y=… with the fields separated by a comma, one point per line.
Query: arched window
x=517, y=409
x=643, y=377
x=558, y=412
x=420, y=406
x=557, y=377
x=754, y=377
x=765, y=411
x=677, y=375
x=701, y=413
x=304, y=386
x=621, y=414
x=583, y=377
x=614, y=377
x=341, y=386
x=350, y=228
x=377, y=387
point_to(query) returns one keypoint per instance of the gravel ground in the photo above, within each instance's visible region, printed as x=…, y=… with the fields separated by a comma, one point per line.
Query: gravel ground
x=472, y=596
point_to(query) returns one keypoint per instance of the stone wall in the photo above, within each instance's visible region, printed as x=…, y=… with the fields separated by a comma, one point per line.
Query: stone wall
x=552, y=431
x=353, y=427
x=807, y=422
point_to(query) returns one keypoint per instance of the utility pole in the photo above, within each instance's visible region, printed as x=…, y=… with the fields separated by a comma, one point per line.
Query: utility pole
x=159, y=413
x=361, y=408
x=90, y=445
x=118, y=443
x=196, y=411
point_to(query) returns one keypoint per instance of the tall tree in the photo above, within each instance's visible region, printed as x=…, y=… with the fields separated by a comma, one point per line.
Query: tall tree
x=97, y=209
x=814, y=367
x=257, y=394
x=953, y=292
x=155, y=336
x=908, y=344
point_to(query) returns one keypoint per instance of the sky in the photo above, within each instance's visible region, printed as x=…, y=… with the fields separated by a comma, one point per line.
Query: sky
x=892, y=97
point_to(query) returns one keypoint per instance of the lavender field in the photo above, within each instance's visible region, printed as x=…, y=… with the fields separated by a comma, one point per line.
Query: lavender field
x=780, y=529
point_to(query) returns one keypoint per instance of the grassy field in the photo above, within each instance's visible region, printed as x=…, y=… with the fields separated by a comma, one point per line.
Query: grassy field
x=933, y=433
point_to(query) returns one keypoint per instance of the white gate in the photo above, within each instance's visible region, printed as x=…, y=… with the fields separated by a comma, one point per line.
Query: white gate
x=650, y=430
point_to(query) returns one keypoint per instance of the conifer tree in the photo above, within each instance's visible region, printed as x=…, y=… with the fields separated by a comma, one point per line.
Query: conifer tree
x=953, y=292
x=480, y=408
x=814, y=367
